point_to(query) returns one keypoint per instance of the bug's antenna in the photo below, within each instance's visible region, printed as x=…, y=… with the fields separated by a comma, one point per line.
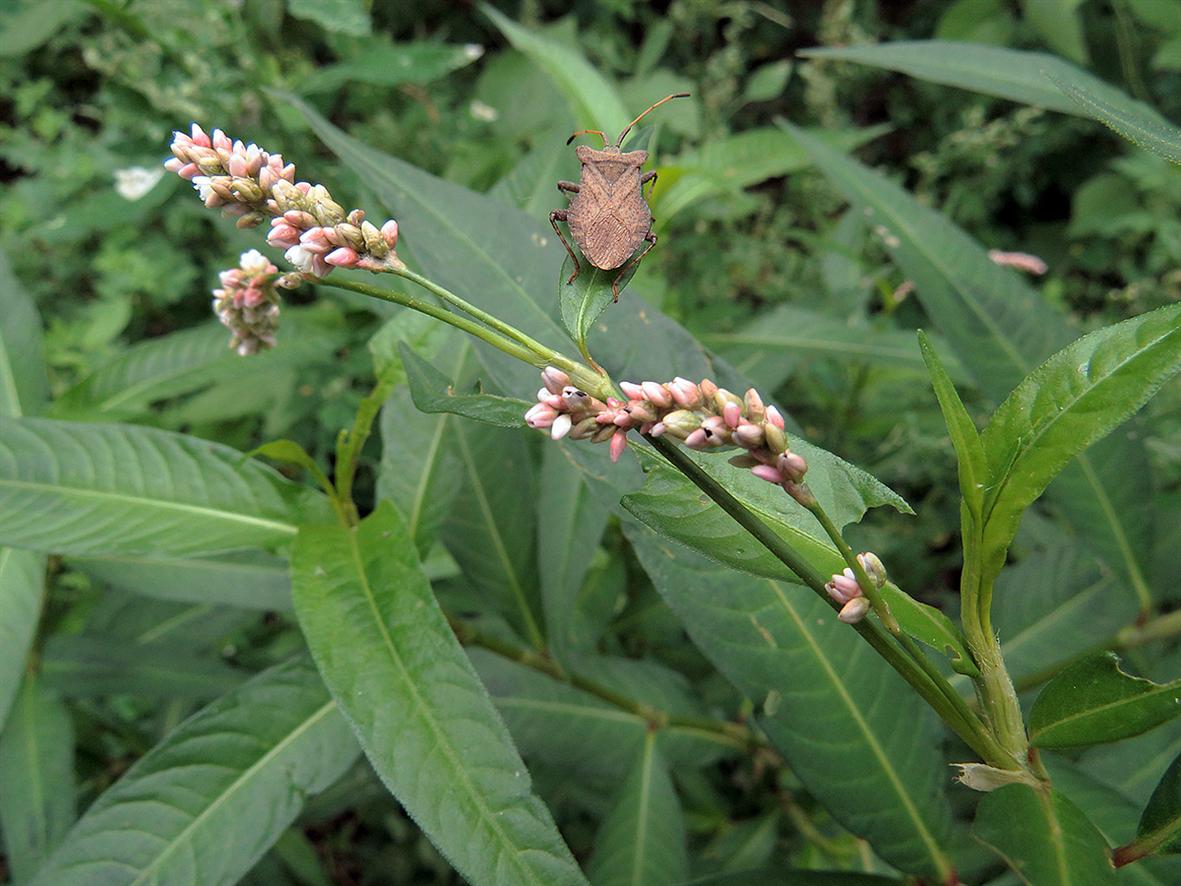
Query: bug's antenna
x=667, y=98
x=588, y=132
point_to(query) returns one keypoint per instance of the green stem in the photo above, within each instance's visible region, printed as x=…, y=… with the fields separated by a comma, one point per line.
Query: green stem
x=961, y=721
x=592, y=382
x=733, y=734
x=350, y=443
x=868, y=587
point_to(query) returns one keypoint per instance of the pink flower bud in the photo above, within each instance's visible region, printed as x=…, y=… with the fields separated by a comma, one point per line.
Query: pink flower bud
x=282, y=235
x=853, y=611
x=199, y=137
x=622, y=420
x=237, y=166
x=697, y=440
x=173, y=164
x=754, y=403
x=774, y=417
x=540, y=416
x=656, y=393
x=749, y=436
x=618, y=444
x=873, y=567
x=390, y=231
x=657, y=429
x=708, y=389
x=792, y=465
x=632, y=390
x=267, y=178
x=315, y=240
x=342, y=258
x=561, y=426
x=732, y=414
x=221, y=141
x=188, y=172
x=768, y=473
x=554, y=379
x=686, y=393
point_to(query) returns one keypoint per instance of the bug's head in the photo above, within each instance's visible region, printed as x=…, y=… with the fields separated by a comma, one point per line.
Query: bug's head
x=614, y=147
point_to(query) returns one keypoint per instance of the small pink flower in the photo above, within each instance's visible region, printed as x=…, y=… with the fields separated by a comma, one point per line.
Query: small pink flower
x=390, y=232
x=774, y=417
x=732, y=414
x=342, y=258
x=656, y=393
x=697, y=440
x=618, y=444
x=853, y=611
x=632, y=390
x=554, y=379
x=792, y=465
x=561, y=426
x=540, y=416
x=768, y=473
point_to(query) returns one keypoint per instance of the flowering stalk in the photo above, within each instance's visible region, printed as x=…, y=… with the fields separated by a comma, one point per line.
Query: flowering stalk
x=248, y=302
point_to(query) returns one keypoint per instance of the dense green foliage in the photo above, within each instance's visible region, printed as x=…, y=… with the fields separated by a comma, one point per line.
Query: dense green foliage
x=513, y=661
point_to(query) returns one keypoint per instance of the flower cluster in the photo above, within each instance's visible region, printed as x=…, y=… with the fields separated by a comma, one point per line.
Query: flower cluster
x=248, y=182
x=701, y=416
x=843, y=588
x=248, y=302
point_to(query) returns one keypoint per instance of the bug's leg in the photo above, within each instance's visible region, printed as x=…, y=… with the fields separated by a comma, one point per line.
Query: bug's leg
x=561, y=215
x=648, y=177
x=651, y=238
x=571, y=187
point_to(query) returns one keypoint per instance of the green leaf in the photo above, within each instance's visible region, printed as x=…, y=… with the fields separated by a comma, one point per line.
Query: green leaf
x=767, y=82
x=75, y=488
x=28, y=25
x=204, y=805
x=1160, y=825
x=1131, y=119
x=424, y=720
x=1095, y=701
x=24, y=387
x=558, y=725
x=36, y=778
x=434, y=392
x=246, y=580
x=860, y=741
x=591, y=293
x=1001, y=329
x=80, y=666
x=1044, y=837
x=993, y=70
x=1070, y=401
x=291, y=453
x=932, y=627
x=392, y=64
x=642, y=839
x=1059, y=23
x=592, y=98
x=570, y=522
x=965, y=439
x=22, y=593
x=339, y=16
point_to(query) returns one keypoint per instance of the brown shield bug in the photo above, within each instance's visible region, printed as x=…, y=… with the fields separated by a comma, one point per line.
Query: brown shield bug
x=608, y=215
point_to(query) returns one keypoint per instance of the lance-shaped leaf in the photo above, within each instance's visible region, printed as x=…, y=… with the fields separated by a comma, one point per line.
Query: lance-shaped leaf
x=965, y=439
x=1134, y=121
x=22, y=592
x=1044, y=837
x=1077, y=396
x=392, y=64
x=434, y=392
x=424, y=719
x=23, y=384
x=1160, y=824
x=642, y=839
x=588, y=296
x=204, y=805
x=861, y=742
x=1095, y=701
x=36, y=778
x=593, y=100
x=1001, y=330
x=73, y=488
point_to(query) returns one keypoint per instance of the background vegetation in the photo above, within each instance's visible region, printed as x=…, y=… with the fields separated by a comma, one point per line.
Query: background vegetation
x=759, y=256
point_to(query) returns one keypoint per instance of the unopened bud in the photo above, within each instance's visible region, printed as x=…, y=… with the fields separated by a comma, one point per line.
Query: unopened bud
x=708, y=389
x=632, y=390
x=776, y=439
x=618, y=444
x=554, y=379
x=754, y=405
x=561, y=426
x=873, y=568
x=774, y=417
x=749, y=436
x=657, y=394
x=792, y=465
x=853, y=611
x=768, y=473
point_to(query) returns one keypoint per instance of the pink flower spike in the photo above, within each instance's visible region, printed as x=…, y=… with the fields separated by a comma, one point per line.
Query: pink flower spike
x=732, y=414
x=632, y=390
x=768, y=473
x=854, y=610
x=658, y=394
x=618, y=444
x=342, y=258
x=697, y=440
x=200, y=138
x=390, y=231
x=774, y=417
x=561, y=426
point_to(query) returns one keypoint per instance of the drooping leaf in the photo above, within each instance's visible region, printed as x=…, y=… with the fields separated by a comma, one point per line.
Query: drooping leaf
x=573, y=731
x=1044, y=837
x=377, y=633
x=22, y=593
x=392, y=64
x=36, y=778
x=592, y=98
x=861, y=742
x=1095, y=701
x=204, y=805
x=76, y=488
x=83, y=666
x=1001, y=330
x=434, y=392
x=251, y=580
x=570, y=522
x=1077, y=396
x=642, y=839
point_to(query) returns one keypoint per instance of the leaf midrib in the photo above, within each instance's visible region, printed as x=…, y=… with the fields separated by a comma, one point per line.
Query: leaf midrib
x=841, y=692
x=644, y=811
x=425, y=711
x=240, y=781
x=1171, y=688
